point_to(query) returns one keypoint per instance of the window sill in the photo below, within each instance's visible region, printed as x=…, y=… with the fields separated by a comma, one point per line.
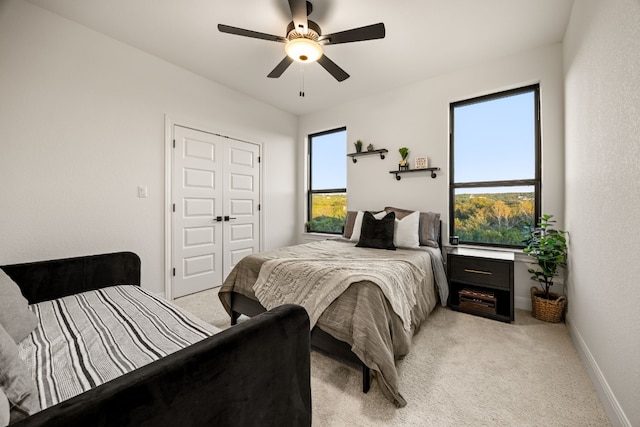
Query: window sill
x=312, y=236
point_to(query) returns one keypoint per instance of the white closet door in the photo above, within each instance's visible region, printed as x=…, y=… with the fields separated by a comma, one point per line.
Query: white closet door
x=241, y=197
x=197, y=195
x=216, y=194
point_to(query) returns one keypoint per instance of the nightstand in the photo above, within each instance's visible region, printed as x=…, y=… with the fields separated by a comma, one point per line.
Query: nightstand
x=481, y=283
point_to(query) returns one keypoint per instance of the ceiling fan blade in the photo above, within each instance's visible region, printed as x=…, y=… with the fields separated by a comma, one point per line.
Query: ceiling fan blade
x=370, y=32
x=248, y=33
x=299, y=15
x=280, y=68
x=338, y=73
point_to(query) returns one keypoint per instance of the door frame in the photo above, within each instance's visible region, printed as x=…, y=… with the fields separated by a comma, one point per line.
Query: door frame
x=169, y=124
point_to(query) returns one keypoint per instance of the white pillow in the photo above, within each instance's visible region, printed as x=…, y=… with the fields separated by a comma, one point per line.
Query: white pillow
x=405, y=233
x=357, y=224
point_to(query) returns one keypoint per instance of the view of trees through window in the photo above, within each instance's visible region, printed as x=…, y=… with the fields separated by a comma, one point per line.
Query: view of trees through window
x=493, y=217
x=329, y=212
x=495, y=167
x=327, y=195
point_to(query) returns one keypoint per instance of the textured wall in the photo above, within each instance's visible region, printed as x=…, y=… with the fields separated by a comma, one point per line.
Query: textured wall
x=602, y=82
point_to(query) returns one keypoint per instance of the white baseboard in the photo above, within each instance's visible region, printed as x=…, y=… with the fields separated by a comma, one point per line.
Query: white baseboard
x=607, y=398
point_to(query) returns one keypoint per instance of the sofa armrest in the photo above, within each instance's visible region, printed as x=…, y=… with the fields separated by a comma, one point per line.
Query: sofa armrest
x=48, y=280
x=254, y=374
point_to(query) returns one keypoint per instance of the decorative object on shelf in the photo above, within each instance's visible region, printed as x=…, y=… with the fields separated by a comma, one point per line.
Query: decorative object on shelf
x=548, y=247
x=404, y=153
x=406, y=170
x=421, y=162
x=358, y=145
x=381, y=151
x=454, y=240
x=370, y=147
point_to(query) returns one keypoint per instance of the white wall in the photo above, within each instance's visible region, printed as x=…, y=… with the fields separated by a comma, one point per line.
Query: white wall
x=602, y=81
x=417, y=116
x=82, y=126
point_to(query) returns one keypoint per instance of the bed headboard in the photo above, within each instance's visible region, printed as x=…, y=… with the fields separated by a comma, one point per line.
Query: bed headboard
x=47, y=280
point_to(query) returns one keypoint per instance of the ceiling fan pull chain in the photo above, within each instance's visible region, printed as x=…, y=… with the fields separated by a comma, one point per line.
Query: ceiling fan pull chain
x=302, y=80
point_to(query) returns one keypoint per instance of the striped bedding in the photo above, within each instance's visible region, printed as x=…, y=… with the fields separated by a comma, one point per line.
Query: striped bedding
x=86, y=339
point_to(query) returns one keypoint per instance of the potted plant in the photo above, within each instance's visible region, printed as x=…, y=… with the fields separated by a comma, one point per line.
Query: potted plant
x=370, y=147
x=404, y=152
x=548, y=247
x=358, y=145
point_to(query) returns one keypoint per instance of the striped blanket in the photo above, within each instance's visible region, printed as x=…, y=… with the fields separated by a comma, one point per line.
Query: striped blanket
x=86, y=339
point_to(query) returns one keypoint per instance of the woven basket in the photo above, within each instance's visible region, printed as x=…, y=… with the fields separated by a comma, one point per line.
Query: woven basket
x=547, y=309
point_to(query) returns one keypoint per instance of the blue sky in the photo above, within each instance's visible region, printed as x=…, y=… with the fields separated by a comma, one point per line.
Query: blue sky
x=329, y=167
x=495, y=140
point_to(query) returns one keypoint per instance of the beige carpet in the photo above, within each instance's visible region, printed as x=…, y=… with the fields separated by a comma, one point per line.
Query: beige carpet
x=463, y=370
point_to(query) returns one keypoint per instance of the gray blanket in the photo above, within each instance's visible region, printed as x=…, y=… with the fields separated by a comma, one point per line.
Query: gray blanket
x=362, y=315
x=315, y=283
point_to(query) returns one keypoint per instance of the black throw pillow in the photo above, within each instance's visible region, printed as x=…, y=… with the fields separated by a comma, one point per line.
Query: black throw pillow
x=377, y=233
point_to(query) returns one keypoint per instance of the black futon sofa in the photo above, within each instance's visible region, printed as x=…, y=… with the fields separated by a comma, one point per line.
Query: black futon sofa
x=254, y=374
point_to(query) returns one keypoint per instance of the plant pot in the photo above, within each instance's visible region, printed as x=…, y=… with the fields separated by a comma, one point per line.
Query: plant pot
x=549, y=310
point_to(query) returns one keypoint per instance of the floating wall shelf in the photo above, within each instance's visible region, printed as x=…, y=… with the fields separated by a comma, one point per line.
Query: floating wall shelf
x=364, y=153
x=398, y=172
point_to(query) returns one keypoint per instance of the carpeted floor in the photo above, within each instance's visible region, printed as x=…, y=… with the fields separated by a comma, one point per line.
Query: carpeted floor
x=462, y=370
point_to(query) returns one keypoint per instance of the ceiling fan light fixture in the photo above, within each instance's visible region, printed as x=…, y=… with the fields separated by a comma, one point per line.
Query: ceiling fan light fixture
x=303, y=50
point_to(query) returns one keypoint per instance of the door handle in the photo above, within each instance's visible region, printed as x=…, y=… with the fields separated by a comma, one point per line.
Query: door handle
x=217, y=219
x=227, y=218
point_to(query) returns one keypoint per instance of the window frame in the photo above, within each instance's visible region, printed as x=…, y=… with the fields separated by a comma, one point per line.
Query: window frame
x=536, y=182
x=310, y=191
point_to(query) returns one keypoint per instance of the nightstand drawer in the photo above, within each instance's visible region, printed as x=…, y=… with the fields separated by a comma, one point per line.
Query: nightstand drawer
x=480, y=271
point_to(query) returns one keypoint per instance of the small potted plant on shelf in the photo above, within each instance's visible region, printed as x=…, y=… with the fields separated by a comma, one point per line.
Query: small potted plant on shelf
x=404, y=153
x=370, y=147
x=548, y=247
x=358, y=145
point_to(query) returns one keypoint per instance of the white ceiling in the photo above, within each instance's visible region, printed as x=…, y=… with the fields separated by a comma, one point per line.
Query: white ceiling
x=424, y=38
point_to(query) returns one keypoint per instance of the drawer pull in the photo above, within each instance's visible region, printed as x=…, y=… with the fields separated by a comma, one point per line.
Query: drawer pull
x=488, y=273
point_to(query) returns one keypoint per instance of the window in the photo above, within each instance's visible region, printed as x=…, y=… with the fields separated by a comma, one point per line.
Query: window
x=327, y=195
x=495, y=167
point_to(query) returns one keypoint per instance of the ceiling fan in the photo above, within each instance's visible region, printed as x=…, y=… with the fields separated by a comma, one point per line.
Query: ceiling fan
x=304, y=40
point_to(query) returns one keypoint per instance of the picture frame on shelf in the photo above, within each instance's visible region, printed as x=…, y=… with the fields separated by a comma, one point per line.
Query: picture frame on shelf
x=421, y=162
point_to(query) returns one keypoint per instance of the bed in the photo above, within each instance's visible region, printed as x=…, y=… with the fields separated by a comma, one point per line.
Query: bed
x=93, y=348
x=353, y=315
